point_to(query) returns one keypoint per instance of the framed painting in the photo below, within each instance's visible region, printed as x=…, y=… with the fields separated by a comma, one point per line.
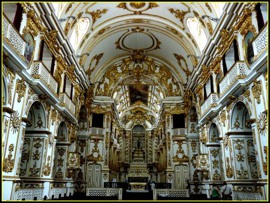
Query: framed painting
x=248, y=48
x=29, y=48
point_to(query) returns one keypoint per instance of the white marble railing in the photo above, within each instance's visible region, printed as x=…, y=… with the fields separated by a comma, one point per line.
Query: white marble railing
x=97, y=131
x=246, y=196
x=260, y=43
x=238, y=71
x=104, y=192
x=209, y=102
x=13, y=37
x=29, y=194
x=55, y=192
x=39, y=71
x=66, y=102
x=179, y=131
x=170, y=193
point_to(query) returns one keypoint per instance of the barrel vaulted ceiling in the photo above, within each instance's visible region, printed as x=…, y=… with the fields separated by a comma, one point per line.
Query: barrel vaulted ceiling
x=145, y=46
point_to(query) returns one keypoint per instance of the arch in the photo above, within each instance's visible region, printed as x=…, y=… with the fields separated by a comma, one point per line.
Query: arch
x=37, y=116
x=213, y=133
x=240, y=117
x=62, y=132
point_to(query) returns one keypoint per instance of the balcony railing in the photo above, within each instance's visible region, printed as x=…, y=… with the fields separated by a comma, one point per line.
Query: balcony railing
x=211, y=101
x=39, y=71
x=238, y=71
x=14, y=38
x=29, y=194
x=246, y=196
x=260, y=43
x=179, y=131
x=96, y=131
x=66, y=102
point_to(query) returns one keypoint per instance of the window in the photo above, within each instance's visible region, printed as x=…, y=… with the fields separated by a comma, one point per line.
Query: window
x=68, y=87
x=47, y=58
x=178, y=120
x=79, y=31
x=97, y=120
x=14, y=14
x=208, y=88
x=197, y=31
x=230, y=58
x=261, y=11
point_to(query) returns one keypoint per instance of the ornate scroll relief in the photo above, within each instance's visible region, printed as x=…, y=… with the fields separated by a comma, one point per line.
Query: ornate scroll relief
x=96, y=14
x=47, y=167
x=183, y=65
x=257, y=90
x=180, y=154
x=229, y=169
x=137, y=7
x=91, y=68
x=9, y=162
x=95, y=154
x=180, y=15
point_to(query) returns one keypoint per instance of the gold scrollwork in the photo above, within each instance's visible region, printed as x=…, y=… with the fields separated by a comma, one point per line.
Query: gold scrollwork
x=9, y=162
x=257, y=90
x=229, y=170
x=20, y=89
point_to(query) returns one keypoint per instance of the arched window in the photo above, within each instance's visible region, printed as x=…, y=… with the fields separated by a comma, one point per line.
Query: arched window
x=79, y=31
x=197, y=31
x=218, y=8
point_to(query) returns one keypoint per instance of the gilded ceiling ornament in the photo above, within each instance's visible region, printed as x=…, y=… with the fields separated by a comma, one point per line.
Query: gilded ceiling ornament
x=208, y=7
x=180, y=14
x=199, y=18
x=96, y=14
x=180, y=58
x=137, y=7
x=8, y=164
x=74, y=22
x=68, y=8
x=174, y=31
x=229, y=170
x=20, y=89
x=191, y=38
x=91, y=68
x=257, y=90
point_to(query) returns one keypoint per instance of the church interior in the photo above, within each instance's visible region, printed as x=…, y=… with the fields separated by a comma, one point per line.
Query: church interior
x=134, y=100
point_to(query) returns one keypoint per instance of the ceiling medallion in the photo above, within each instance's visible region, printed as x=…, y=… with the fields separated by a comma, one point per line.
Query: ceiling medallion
x=137, y=7
x=138, y=39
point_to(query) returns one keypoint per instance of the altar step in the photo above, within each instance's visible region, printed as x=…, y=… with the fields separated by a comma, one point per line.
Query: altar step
x=138, y=195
